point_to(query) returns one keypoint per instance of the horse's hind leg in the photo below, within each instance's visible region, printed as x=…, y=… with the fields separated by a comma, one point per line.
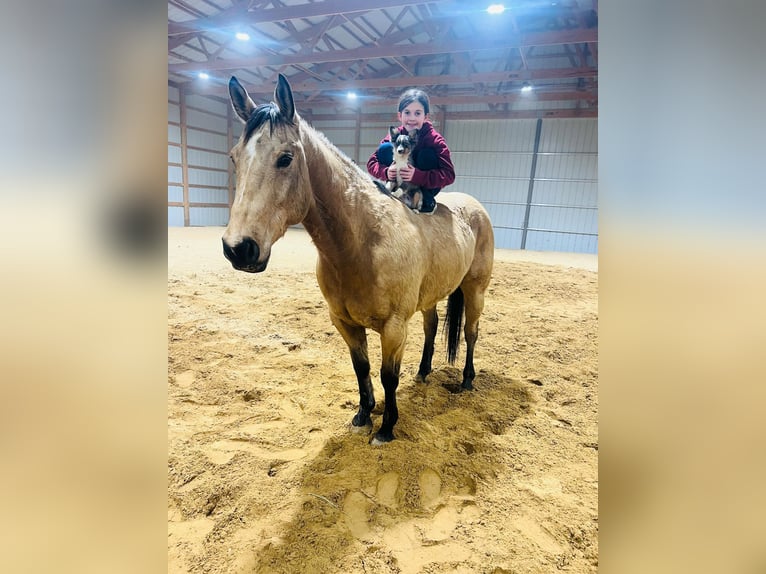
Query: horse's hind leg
x=474, y=305
x=356, y=339
x=430, y=324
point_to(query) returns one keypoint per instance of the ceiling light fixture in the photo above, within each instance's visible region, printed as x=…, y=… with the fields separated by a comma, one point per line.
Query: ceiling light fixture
x=351, y=95
x=495, y=9
x=203, y=76
x=526, y=87
x=244, y=36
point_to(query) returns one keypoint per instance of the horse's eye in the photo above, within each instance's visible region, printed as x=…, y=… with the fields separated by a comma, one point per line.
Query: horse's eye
x=284, y=160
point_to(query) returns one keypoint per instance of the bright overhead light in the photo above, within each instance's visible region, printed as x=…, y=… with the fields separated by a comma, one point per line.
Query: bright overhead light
x=351, y=95
x=203, y=76
x=526, y=88
x=496, y=9
x=244, y=36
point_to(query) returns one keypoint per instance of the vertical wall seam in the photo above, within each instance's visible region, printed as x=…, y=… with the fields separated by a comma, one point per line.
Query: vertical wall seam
x=532, y=171
x=184, y=159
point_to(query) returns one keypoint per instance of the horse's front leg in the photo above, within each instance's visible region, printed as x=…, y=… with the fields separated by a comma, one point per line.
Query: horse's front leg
x=356, y=339
x=392, y=339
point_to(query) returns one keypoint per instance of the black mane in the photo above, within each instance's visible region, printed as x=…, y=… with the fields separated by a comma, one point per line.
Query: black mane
x=259, y=117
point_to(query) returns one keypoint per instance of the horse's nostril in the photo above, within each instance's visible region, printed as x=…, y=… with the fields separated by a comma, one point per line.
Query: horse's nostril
x=248, y=250
x=243, y=254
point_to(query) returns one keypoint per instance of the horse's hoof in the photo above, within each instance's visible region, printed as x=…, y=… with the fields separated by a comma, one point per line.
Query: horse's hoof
x=419, y=378
x=381, y=439
x=364, y=429
x=363, y=420
x=467, y=385
x=361, y=426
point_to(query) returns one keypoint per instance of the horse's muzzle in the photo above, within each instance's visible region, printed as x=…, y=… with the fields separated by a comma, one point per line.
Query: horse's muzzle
x=244, y=255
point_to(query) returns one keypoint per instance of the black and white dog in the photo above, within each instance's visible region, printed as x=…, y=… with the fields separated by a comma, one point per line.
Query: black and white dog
x=408, y=193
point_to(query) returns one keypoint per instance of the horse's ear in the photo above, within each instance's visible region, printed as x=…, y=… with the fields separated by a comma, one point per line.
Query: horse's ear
x=240, y=100
x=284, y=97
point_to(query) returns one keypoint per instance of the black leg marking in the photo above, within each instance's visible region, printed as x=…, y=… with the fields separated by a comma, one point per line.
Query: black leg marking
x=390, y=379
x=366, y=396
x=468, y=373
x=430, y=325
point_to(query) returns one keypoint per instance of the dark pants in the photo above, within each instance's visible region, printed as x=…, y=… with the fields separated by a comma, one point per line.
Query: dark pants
x=425, y=159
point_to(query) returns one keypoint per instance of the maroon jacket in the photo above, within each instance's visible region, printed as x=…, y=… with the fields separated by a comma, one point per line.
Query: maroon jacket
x=428, y=137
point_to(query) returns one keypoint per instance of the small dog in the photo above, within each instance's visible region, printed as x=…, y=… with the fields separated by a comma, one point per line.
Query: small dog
x=408, y=193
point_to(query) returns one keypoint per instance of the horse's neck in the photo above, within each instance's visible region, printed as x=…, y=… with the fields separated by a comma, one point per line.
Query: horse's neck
x=333, y=219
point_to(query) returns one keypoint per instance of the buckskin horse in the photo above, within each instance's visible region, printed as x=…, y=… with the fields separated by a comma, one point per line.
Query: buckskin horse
x=378, y=261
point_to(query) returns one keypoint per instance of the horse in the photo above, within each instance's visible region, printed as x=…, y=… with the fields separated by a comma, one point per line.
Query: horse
x=378, y=261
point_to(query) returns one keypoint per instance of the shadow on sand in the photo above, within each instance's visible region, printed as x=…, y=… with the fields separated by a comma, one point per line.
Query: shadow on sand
x=352, y=492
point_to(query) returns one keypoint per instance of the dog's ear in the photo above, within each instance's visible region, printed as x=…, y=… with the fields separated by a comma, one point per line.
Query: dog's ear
x=413, y=135
x=393, y=132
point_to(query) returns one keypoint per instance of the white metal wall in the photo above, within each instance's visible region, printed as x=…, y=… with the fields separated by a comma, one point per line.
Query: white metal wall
x=564, y=204
x=542, y=198
x=198, y=162
x=175, y=160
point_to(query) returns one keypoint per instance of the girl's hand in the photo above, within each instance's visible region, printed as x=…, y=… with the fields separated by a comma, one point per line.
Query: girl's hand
x=390, y=174
x=406, y=173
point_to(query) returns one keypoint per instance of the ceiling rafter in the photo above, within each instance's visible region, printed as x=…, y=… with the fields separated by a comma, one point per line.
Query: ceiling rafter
x=393, y=50
x=316, y=9
x=452, y=48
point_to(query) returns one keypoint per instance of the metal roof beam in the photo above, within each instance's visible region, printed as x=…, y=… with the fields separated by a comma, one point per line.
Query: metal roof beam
x=397, y=50
x=314, y=10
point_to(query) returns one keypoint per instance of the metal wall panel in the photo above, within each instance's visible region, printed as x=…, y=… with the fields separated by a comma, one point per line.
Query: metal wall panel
x=204, y=216
x=175, y=216
x=174, y=154
x=496, y=190
x=174, y=134
x=574, y=193
x=491, y=164
x=175, y=174
x=569, y=135
x=175, y=194
x=173, y=94
x=207, y=140
x=174, y=113
x=197, y=119
x=203, y=195
x=561, y=242
x=207, y=159
x=202, y=102
x=208, y=177
x=490, y=136
x=567, y=166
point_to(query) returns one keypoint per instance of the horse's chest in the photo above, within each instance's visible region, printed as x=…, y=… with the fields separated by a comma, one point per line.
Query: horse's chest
x=357, y=301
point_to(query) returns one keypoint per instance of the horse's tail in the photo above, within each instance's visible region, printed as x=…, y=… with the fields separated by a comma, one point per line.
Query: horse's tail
x=453, y=322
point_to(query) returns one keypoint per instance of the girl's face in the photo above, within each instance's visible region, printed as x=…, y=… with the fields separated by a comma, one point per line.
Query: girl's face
x=413, y=116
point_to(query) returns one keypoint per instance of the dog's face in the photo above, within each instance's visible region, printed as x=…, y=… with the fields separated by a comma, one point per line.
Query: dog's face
x=402, y=143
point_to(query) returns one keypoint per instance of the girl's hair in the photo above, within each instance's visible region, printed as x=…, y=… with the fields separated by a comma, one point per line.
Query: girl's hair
x=414, y=95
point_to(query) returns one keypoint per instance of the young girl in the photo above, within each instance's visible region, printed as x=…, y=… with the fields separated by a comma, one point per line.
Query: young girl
x=433, y=167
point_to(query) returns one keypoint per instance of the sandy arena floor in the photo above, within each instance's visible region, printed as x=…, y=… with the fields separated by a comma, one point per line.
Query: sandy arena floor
x=265, y=476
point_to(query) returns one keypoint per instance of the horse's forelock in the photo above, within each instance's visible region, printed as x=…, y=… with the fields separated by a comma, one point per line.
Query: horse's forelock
x=264, y=112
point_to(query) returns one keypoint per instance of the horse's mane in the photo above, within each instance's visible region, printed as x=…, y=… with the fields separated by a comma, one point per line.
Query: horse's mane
x=259, y=117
